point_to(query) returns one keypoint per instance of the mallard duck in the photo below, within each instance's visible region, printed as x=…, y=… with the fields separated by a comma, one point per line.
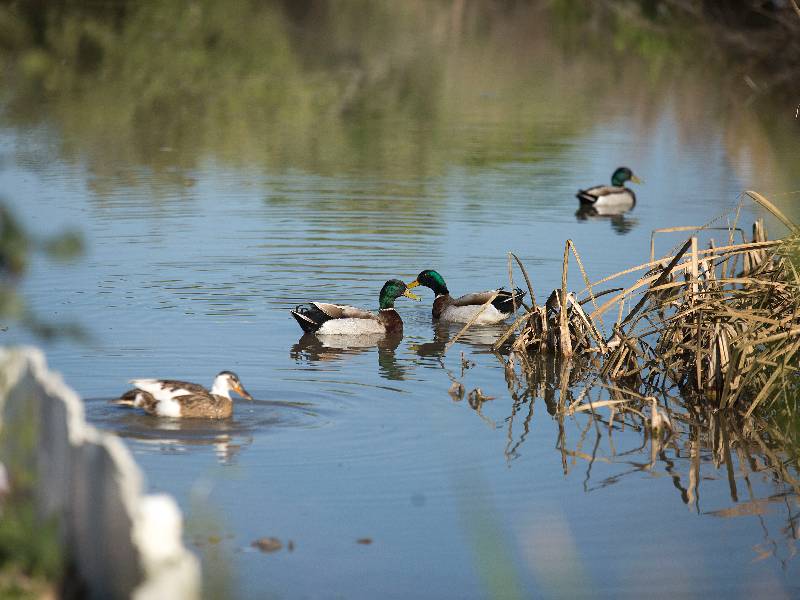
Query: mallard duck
x=461, y=310
x=615, y=196
x=171, y=398
x=334, y=319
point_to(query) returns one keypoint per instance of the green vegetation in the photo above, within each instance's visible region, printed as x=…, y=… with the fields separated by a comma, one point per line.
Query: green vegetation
x=16, y=247
x=31, y=560
x=743, y=41
x=30, y=556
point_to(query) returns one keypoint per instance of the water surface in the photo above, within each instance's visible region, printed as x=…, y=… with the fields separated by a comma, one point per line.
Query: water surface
x=212, y=209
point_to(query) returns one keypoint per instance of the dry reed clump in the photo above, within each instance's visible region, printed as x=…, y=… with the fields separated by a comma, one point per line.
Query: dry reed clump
x=720, y=324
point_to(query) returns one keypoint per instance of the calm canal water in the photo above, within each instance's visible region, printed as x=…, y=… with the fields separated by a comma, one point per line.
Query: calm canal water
x=206, y=221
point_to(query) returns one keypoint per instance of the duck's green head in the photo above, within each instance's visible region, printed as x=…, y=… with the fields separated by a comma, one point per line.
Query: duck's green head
x=430, y=279
x=622, y=175
x=392, y=290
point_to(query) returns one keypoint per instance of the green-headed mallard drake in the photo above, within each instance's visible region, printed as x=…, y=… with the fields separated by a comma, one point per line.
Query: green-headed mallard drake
x=171, y=398
x=615, y=196
x=334, y=319
x=461, y=310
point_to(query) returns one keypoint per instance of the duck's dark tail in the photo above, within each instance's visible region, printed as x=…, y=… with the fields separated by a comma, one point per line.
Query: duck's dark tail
x=135, y=398
x=505, y=300
x=127, y=399
x=309, y=317
x=586, y=198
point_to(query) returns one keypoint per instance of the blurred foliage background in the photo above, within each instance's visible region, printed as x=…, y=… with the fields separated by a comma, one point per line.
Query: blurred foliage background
x=305, y=84
x=16, y=249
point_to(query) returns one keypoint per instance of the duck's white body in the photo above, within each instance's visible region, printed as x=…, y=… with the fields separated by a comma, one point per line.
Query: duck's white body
x=463, y=314
x=608, y=196
x=164, y=406
x=324, y=319
x=345, y=341
x=164, y=390
x=351, y=327
x=366, y=324
x=609, y=210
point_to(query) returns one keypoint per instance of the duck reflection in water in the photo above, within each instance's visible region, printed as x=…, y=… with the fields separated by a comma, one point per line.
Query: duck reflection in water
x=328, y=348
x=620, y=222
x=482, y=339
x=227, y=438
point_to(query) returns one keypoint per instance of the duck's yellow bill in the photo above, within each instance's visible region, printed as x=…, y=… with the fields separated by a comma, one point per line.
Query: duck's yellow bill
x=243, y=392
x=635, y=179
x=413, y=284
x=411, y=295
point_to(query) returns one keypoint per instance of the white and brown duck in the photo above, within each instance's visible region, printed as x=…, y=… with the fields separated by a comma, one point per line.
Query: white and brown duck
x=172, y=398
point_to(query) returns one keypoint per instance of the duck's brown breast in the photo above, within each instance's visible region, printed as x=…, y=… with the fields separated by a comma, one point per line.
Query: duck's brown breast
x=209, y=406
x=391, y=320
x=439, y=304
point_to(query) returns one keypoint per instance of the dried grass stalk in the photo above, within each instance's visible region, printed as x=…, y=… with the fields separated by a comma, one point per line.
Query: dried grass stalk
x=722, y=324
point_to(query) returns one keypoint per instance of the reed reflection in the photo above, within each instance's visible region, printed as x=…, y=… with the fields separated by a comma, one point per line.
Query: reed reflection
x=616, y=432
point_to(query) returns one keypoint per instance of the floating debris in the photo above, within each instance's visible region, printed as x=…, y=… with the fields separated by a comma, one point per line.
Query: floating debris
x=476, y=397
x=466, y=363
x=267, y=544
x=456, y=391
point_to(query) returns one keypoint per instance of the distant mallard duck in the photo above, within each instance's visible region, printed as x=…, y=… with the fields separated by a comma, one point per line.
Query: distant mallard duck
x=171, y=398
x=334, y=319
x=615, y=196
x=461, y=310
